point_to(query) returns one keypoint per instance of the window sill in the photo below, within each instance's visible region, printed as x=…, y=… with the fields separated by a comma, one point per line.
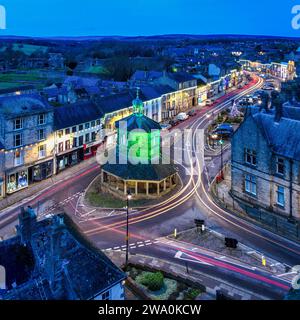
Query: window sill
x=279, y=206
x=252, y=195
x=254, y=166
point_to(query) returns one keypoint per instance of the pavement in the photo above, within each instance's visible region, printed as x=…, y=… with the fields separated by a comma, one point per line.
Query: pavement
x=211, y=284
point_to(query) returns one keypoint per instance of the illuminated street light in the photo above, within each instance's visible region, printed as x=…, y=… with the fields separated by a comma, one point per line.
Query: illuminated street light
x=221, y=142
x=129, y=197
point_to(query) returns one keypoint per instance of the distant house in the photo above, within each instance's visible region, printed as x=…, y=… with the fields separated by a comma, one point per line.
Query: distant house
x=56, y=60
x=48, y=260
x=145, y=77
x=183, y=95
x=16, y=91
x=265, y=163
x=81, y=88
x=56, y=93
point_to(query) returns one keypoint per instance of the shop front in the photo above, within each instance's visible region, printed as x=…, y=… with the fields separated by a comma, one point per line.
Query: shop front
x=202, y=96
x=69, y=159
x=90, y=151
x=16, y=181
x=40, y=171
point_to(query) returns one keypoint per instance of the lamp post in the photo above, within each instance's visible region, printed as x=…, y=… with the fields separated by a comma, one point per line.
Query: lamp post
x=214, y=137
x=221, y=143
x=129, y=196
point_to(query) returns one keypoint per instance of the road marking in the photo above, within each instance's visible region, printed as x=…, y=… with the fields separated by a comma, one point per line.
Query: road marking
x=286, y=274
x=178, y=255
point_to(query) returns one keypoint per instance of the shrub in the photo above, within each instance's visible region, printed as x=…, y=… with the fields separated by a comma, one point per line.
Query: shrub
x=192, y=294
x=153, y=281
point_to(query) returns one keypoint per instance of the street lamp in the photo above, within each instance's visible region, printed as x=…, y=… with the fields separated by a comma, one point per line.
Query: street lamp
x=129, y=196
x=214, y=137
x=221, y=142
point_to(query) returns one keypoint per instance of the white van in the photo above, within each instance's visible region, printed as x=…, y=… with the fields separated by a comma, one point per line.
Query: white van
x=182, y=116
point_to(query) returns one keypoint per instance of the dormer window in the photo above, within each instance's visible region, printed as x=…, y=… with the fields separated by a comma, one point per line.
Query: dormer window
x=280, y=166
x=250, y=157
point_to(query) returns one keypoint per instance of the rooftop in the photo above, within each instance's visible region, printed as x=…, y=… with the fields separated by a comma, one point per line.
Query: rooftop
x=77, y=269
x=136, y=121
x=77, y=113
x=283, y=136
x=143, y=172
x=27, y=104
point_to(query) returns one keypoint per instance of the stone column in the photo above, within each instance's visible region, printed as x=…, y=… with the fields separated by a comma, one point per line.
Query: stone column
x=158, y=191
x=165, y=184
x=147, y=188
x=136, y=188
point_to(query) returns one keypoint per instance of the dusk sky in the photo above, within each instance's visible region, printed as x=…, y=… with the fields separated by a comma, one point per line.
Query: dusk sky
x=148, y=17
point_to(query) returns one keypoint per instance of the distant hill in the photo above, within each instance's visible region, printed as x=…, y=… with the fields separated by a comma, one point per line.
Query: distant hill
x=153, y=37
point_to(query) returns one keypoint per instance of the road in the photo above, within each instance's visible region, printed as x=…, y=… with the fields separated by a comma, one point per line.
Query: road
x=178, y=211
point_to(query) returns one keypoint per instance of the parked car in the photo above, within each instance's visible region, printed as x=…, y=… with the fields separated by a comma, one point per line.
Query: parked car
x=173, y=122
x=224, y=129
x=209, y=102
x=166, y=126
x=268, y=87
x=182, y=116
x=192, y=113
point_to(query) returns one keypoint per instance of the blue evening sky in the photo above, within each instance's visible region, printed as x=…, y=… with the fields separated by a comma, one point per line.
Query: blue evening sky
x=148, y=17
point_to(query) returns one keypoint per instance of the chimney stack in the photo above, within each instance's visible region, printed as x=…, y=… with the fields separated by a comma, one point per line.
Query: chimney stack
x=278, y=112
x=27, y=220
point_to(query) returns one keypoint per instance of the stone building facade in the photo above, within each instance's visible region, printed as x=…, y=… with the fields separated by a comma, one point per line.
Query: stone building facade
x=26, y=124
x=265, y=164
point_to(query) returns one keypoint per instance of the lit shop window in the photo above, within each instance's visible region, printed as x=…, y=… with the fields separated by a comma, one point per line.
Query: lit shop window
x=17, y=181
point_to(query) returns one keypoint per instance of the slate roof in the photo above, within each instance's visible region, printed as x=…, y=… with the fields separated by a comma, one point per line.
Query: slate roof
x=77, y=113
x=153, y=92
x=115, y=102
x=147, y=172
x=16, y=261
x=82, y=271
x=283, y=137
x=27, y=104
x=141, y=75
x=135, y=121
x=14, y=89
x=80, y=82
x=181, y=76
x=123, y=100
